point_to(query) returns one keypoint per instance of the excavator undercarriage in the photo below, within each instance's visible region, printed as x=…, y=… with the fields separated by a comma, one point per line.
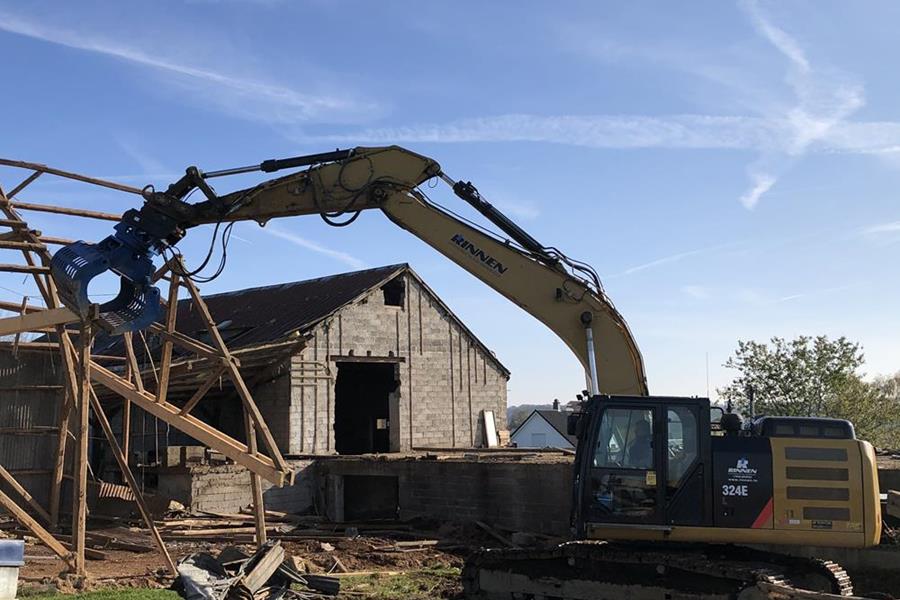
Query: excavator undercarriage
x=591, y=570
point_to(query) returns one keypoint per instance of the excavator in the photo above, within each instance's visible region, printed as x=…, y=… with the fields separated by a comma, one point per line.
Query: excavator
x=664, y=487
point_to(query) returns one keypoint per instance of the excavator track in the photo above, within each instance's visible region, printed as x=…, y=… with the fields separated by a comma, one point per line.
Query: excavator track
x=589, y=570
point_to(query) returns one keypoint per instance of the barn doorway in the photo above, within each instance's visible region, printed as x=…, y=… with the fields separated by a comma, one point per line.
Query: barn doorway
x=363, y=393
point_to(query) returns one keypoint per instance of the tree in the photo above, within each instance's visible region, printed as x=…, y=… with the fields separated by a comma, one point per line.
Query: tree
x=815, y=377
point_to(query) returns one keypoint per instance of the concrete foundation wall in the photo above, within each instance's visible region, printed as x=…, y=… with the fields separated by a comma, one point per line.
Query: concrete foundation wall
x=527, y=496
x=446, y=379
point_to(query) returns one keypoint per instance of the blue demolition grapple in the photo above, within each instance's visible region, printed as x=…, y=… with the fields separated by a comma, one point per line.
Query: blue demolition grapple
x=144, y=233
x=128, y=253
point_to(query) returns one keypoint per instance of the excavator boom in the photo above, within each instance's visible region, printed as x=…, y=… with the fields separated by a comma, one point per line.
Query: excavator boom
x=563, y=294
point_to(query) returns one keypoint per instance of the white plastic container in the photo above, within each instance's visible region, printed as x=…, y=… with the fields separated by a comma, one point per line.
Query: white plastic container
x=12, y=554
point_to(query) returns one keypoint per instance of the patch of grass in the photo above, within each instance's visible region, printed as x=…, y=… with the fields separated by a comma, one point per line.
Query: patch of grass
x=122, y=594
x=429, y=583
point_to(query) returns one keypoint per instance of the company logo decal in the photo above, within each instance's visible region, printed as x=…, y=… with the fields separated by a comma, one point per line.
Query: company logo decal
x=478, y=254
x=742, y=471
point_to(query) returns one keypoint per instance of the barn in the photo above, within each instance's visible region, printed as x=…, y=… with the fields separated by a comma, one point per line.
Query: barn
x=371, y=361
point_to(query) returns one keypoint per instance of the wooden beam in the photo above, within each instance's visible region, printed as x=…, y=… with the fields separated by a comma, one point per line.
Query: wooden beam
x=188, y=343
x=56, y=241
x=235, y=375
x=65, y=210
x=130, y=480
x=19, y=333
x=128, y=340
x=166, y=361
x=259, y=507
x=69, y=175
x=37, y=320
x=27, y=269
x=83, y=403
x=34, y=527
x=202, y=390
x=14, y=223
x=14, y=245
x=24, y=494
x=366, y=359
x=192, y=426
x=28, y=180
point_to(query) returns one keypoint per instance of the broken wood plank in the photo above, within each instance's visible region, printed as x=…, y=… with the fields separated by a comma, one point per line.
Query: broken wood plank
x=264, y=568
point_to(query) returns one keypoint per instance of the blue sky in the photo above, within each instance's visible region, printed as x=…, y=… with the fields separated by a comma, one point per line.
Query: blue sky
x=730, y=169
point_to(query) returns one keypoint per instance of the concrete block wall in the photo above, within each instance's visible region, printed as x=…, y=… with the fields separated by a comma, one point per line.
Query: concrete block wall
x=525, y=496
x=226, y=488
x=446, y=379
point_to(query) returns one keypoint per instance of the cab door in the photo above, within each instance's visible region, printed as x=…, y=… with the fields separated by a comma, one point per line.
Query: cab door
x=685, y=473
x=622, y=475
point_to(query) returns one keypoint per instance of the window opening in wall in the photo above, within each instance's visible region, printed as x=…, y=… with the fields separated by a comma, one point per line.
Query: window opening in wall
x=362, y=395
x=394, y=292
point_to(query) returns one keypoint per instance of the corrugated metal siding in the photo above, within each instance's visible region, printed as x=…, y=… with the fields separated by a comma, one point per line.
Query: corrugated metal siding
x=28, y=417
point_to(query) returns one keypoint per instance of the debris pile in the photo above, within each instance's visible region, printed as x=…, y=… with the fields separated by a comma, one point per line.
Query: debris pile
x=232, y=575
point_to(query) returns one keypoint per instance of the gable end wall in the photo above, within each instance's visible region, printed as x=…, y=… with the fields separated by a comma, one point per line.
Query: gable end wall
x=446, y=381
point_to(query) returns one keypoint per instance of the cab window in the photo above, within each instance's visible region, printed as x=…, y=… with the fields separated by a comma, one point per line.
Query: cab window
x=681, y=449
x=625, y=440
x=623, y=483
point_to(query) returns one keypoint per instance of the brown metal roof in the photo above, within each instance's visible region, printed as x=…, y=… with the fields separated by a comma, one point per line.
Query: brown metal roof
x=263, y=315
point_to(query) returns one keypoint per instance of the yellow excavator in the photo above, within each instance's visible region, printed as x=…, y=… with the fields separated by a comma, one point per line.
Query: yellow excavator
x=664, y=486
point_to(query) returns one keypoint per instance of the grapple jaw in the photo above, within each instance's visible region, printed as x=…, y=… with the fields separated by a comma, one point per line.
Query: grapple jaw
x=136, y=305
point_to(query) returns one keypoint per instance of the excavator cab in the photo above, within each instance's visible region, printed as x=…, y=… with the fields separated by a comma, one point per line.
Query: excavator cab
x=644, y=461
x=656, y=468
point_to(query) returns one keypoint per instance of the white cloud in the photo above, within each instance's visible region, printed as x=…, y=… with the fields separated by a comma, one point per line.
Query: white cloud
x=823, y=100
x=672, y=258
x=819, y=292
x=247, y=97
x=883, y=228
x=762, y=183
x=593, y=131
x=337, y=255
x=777, y=36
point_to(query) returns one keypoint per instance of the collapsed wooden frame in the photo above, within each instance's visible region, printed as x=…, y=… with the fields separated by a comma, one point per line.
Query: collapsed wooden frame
x=81, y=370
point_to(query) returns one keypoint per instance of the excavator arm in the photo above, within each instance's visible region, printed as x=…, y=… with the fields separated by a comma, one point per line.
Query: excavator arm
x=563, y=294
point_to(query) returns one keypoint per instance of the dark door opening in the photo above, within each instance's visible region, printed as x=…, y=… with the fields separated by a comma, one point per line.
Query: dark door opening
x=362, y=407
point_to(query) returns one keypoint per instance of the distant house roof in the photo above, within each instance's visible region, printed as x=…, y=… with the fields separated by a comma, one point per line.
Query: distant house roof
x=558, y=420
x=264, y=315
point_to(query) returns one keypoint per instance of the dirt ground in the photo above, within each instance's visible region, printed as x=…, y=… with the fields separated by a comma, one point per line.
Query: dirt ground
x=378, y=567
x=362, y=554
